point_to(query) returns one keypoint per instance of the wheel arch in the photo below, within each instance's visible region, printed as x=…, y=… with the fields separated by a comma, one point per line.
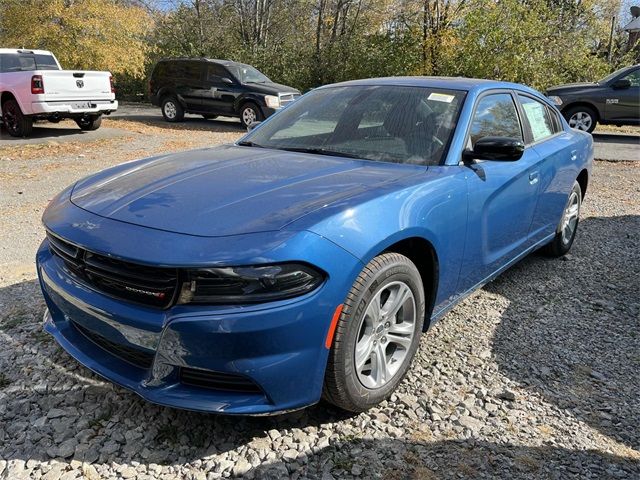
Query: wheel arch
x=424, y=256
x=581, y=103
x=583, y=181
x=243, y=100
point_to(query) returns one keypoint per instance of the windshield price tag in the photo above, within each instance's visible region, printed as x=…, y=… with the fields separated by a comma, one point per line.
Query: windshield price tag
x=441, y=97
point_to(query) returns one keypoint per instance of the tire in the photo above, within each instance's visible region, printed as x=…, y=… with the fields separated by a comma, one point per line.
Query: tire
x=568, y=226
x=89, y=123
x=209, y=117
x=172, y=111
x=16, y=123
x=581, y=118
x=358, y=334
x=249, y=113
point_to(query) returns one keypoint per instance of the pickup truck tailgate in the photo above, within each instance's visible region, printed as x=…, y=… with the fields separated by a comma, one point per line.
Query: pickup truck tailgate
x=63, y=85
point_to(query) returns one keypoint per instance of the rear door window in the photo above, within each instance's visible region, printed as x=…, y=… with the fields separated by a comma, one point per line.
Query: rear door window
x=539, y=118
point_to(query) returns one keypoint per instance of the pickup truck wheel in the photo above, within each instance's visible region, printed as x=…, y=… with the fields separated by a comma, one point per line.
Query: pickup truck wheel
x=89, y=123
x=172, y=111
x=249, y=113
x=377, y=334
x=568, y=226
x=581, y=118
x=16, y=123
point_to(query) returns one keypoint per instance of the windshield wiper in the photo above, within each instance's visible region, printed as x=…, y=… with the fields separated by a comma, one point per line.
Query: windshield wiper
x=248, y=143
x=319, y=151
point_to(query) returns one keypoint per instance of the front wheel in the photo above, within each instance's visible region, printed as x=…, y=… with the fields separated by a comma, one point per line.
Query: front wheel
x=16, y=123
x=89, y=123
x=377, y=334
x=568, y=226
x=581, y=118
x=250, y=113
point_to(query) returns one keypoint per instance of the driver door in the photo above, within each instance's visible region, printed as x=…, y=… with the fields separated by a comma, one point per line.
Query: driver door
x=502, y=195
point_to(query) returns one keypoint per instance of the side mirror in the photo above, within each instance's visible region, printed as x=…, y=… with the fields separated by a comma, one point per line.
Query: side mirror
x=252, y=125
x=621, y=84
x=504, y=149
x=227, y=80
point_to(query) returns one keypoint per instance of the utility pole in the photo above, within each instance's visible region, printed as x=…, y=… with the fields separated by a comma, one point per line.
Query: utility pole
x=610, y=53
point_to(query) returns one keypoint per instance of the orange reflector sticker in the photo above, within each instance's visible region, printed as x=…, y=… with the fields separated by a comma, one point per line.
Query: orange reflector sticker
x=332, y=327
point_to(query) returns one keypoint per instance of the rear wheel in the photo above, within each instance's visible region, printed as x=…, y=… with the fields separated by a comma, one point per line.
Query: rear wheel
x=89, y=123
x=581, y=118
x=172, y=111
x=16, y=123
x=568, y=226
x=377, y=334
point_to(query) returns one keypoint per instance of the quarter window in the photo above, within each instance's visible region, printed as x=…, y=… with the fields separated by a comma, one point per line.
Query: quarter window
x=539, y=117
x=495, y=116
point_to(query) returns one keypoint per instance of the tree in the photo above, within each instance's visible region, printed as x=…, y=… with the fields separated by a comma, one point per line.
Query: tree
x=83, y=34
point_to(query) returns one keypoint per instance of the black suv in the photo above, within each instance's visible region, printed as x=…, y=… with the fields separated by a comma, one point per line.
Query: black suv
x=215, y=87
x=614, y=100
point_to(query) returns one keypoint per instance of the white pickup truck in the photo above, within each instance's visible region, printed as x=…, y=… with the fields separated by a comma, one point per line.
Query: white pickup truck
x=33, y=86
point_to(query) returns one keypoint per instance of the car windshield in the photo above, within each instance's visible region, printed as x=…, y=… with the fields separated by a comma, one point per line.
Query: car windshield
x=381, y=123
x=613, y=75
x=248, y=74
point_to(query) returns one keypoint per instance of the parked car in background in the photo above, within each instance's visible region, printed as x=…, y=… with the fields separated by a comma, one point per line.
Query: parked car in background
x=306, y=260
x=33, y=86
x=614, y=100
x=215, y=87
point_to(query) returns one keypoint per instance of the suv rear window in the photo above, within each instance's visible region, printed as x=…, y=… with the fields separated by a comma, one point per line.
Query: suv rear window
x=21, y=62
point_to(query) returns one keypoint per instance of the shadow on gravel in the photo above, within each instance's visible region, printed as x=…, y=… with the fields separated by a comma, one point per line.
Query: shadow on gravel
x=416, y=460
x=189, y=123
x=53, y=407
x=572, y=332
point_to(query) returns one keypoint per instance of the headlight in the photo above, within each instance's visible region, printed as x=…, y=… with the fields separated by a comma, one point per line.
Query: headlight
x=272, y=101
x=233, y=285
x=555, y=99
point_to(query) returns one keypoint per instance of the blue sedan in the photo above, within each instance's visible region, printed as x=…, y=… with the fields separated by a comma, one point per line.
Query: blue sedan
x=305, y=260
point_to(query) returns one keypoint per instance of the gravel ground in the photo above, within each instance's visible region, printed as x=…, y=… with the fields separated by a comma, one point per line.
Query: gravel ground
x=534, y=376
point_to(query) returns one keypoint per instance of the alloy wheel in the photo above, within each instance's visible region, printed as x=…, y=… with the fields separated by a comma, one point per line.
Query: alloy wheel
x=581, y=121
x=10, y=119
x=170, y=109
x=249, y=116
x=385, y=334
x=570, y=218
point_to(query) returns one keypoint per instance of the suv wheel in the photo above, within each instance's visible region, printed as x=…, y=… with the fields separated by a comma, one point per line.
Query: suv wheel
x=249, y=113
x=568, y=226
x=172, y=111
x=16, y=123
x=581, y=118
x=377, y=334
x=89, y=123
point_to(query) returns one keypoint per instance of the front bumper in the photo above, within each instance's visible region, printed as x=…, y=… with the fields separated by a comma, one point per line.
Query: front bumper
x=74, y=108
x=279, y=346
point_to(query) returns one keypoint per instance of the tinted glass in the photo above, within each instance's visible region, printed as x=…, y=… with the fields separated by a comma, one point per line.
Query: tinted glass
x=495, y=116
x=539, y=118
x=634, y=78
x=248, y=74
x=215, y=73
x=15, y=62
x=381, y=123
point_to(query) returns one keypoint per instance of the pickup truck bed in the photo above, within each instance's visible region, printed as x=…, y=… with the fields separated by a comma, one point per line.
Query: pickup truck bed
x=33, y=87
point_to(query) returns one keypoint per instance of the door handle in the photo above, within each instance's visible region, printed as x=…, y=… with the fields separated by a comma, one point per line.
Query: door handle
x=534, y=177
x=574, y=155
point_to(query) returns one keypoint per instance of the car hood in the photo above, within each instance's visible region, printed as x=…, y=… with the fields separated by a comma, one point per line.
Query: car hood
x=271, y=88
x=228, y=190
x=571, y=88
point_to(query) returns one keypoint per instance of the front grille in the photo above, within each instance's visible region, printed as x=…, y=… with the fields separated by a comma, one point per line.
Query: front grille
x=217, y=380
x=131, y=355
x=151, y=286
x=286, y=98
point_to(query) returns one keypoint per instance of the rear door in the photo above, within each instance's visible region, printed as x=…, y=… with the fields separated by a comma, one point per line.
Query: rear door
x=502, y=195
x=189, y=83
x=623, y=104
x=558, y=155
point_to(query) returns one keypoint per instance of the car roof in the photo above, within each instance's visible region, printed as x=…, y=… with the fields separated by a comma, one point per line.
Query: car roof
x=25, y=50
x=451, y=83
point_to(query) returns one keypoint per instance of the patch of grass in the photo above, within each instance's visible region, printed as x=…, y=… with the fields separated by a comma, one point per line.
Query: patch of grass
x=4, y=381
x=41, y=336
x=167, y=433
x=527, y=463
